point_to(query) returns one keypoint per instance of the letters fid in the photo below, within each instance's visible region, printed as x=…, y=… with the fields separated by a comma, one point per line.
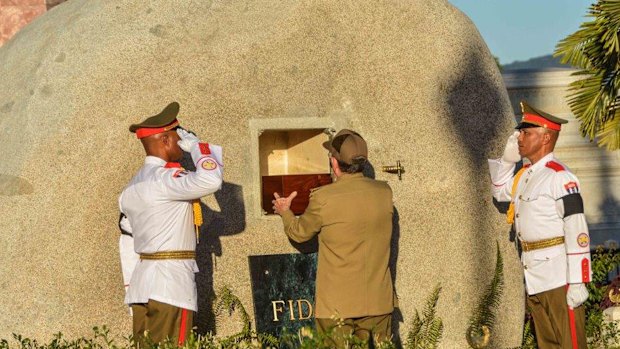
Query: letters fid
x=293, y=307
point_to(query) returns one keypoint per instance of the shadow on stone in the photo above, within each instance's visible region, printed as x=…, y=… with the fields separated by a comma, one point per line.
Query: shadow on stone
x=229, y=221
x=12, y=185
x=472, y=115
x=397, y=316
x=310, y=246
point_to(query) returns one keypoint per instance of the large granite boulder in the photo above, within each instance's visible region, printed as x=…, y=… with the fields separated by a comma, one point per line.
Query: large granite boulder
x=413, y=77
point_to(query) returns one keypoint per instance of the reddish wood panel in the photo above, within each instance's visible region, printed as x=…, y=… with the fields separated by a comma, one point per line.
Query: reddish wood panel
x=15, y=14
x=22, y=3
x=286, y=184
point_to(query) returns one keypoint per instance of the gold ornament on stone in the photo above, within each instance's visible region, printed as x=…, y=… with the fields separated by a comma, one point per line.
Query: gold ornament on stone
x=478, y=339
x=614, y=297
x=398, y=169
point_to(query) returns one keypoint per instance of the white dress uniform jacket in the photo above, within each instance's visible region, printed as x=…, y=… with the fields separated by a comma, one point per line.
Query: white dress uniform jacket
x=547, y=204
x=159, y=217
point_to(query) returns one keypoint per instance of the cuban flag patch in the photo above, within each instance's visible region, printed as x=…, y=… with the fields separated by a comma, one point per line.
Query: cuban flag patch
x=204, y=148
x=571, y=187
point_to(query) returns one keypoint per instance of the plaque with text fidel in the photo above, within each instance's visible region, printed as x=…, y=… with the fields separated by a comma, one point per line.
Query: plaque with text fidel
x=283, y=291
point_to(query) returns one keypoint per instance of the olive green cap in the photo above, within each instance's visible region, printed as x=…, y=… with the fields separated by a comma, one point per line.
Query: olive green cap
x=346, y=146
x=533, y=117
x=165, y=119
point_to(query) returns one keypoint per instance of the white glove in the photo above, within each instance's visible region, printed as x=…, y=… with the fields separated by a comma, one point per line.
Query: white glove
x=511, y=151
x=576, y=295
x=187, y=141
x=129, y=306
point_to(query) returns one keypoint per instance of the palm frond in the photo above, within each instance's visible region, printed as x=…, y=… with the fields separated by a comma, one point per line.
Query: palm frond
x=595, y=49
x=426, y=331
x=609, y=133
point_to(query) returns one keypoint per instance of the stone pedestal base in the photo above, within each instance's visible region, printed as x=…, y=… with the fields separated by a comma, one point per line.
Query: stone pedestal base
x=612, y=314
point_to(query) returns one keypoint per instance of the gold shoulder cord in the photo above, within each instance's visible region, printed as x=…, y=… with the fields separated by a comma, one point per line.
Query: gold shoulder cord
x=197, y=218
x=510, y=214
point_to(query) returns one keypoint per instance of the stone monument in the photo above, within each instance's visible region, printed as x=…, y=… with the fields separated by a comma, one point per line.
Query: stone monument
x=260, y=78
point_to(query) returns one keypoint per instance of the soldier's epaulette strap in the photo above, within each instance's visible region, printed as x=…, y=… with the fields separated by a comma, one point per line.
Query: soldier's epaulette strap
x=556, y=166
x=585, y=270
x=204, y=148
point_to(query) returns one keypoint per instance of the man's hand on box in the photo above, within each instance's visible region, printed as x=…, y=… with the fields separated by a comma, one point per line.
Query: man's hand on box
x=281, y=204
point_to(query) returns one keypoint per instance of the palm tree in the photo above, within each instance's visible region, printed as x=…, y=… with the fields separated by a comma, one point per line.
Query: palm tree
x=595, y=50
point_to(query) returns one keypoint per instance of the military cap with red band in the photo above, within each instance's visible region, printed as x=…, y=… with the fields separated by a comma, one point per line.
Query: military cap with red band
x=533, y=117
x=162, y=122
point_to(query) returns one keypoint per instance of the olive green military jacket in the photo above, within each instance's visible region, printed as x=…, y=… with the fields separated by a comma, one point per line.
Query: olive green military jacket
x=353, y=220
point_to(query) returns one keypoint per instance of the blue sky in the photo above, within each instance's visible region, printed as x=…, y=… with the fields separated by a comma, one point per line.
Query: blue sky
x=517, y=30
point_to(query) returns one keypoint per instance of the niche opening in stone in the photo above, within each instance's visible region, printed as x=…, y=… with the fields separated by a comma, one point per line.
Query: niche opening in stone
x=292, y=160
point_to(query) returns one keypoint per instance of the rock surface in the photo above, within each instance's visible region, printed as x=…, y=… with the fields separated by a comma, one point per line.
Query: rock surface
x=413, y=77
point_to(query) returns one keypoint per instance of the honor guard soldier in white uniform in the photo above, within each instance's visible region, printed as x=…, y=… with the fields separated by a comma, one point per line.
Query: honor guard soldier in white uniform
x=547, y=212
x=158, y=240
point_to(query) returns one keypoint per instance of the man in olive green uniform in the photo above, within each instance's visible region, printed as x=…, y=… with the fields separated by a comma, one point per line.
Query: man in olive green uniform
x=353, y=220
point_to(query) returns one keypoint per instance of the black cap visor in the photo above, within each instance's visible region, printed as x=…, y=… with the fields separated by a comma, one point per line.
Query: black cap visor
x=525, y=125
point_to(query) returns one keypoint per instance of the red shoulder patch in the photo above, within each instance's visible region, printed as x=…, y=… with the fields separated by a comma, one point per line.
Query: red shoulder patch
x=172, y=165
x=556, y=166
x=204, y=148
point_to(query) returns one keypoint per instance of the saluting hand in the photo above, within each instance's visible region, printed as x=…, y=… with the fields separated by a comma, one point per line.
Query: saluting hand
x=187, y=141
x=281, y=204
x=511, y=151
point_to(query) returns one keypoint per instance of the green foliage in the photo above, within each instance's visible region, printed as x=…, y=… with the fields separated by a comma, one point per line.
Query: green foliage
x=594, y=49
x=226, y=303
x=426, y=331
x=599, y=333
x=483, y=319
x=309, y=338
x=528, y=341
x=229, y=303
x=100, y=340
x=499, y=66
x=247, y=338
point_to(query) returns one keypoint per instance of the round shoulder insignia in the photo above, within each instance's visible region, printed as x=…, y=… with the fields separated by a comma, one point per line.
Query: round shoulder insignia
x=209, y=164
x=583, y=240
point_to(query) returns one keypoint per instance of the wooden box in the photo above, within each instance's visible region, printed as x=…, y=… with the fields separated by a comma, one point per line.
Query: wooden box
x=286, y=184
x=292, y=160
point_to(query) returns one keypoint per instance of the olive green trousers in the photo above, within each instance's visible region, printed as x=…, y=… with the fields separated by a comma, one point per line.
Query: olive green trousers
x=553, y=320
x=371, y=328
x=160, y=321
